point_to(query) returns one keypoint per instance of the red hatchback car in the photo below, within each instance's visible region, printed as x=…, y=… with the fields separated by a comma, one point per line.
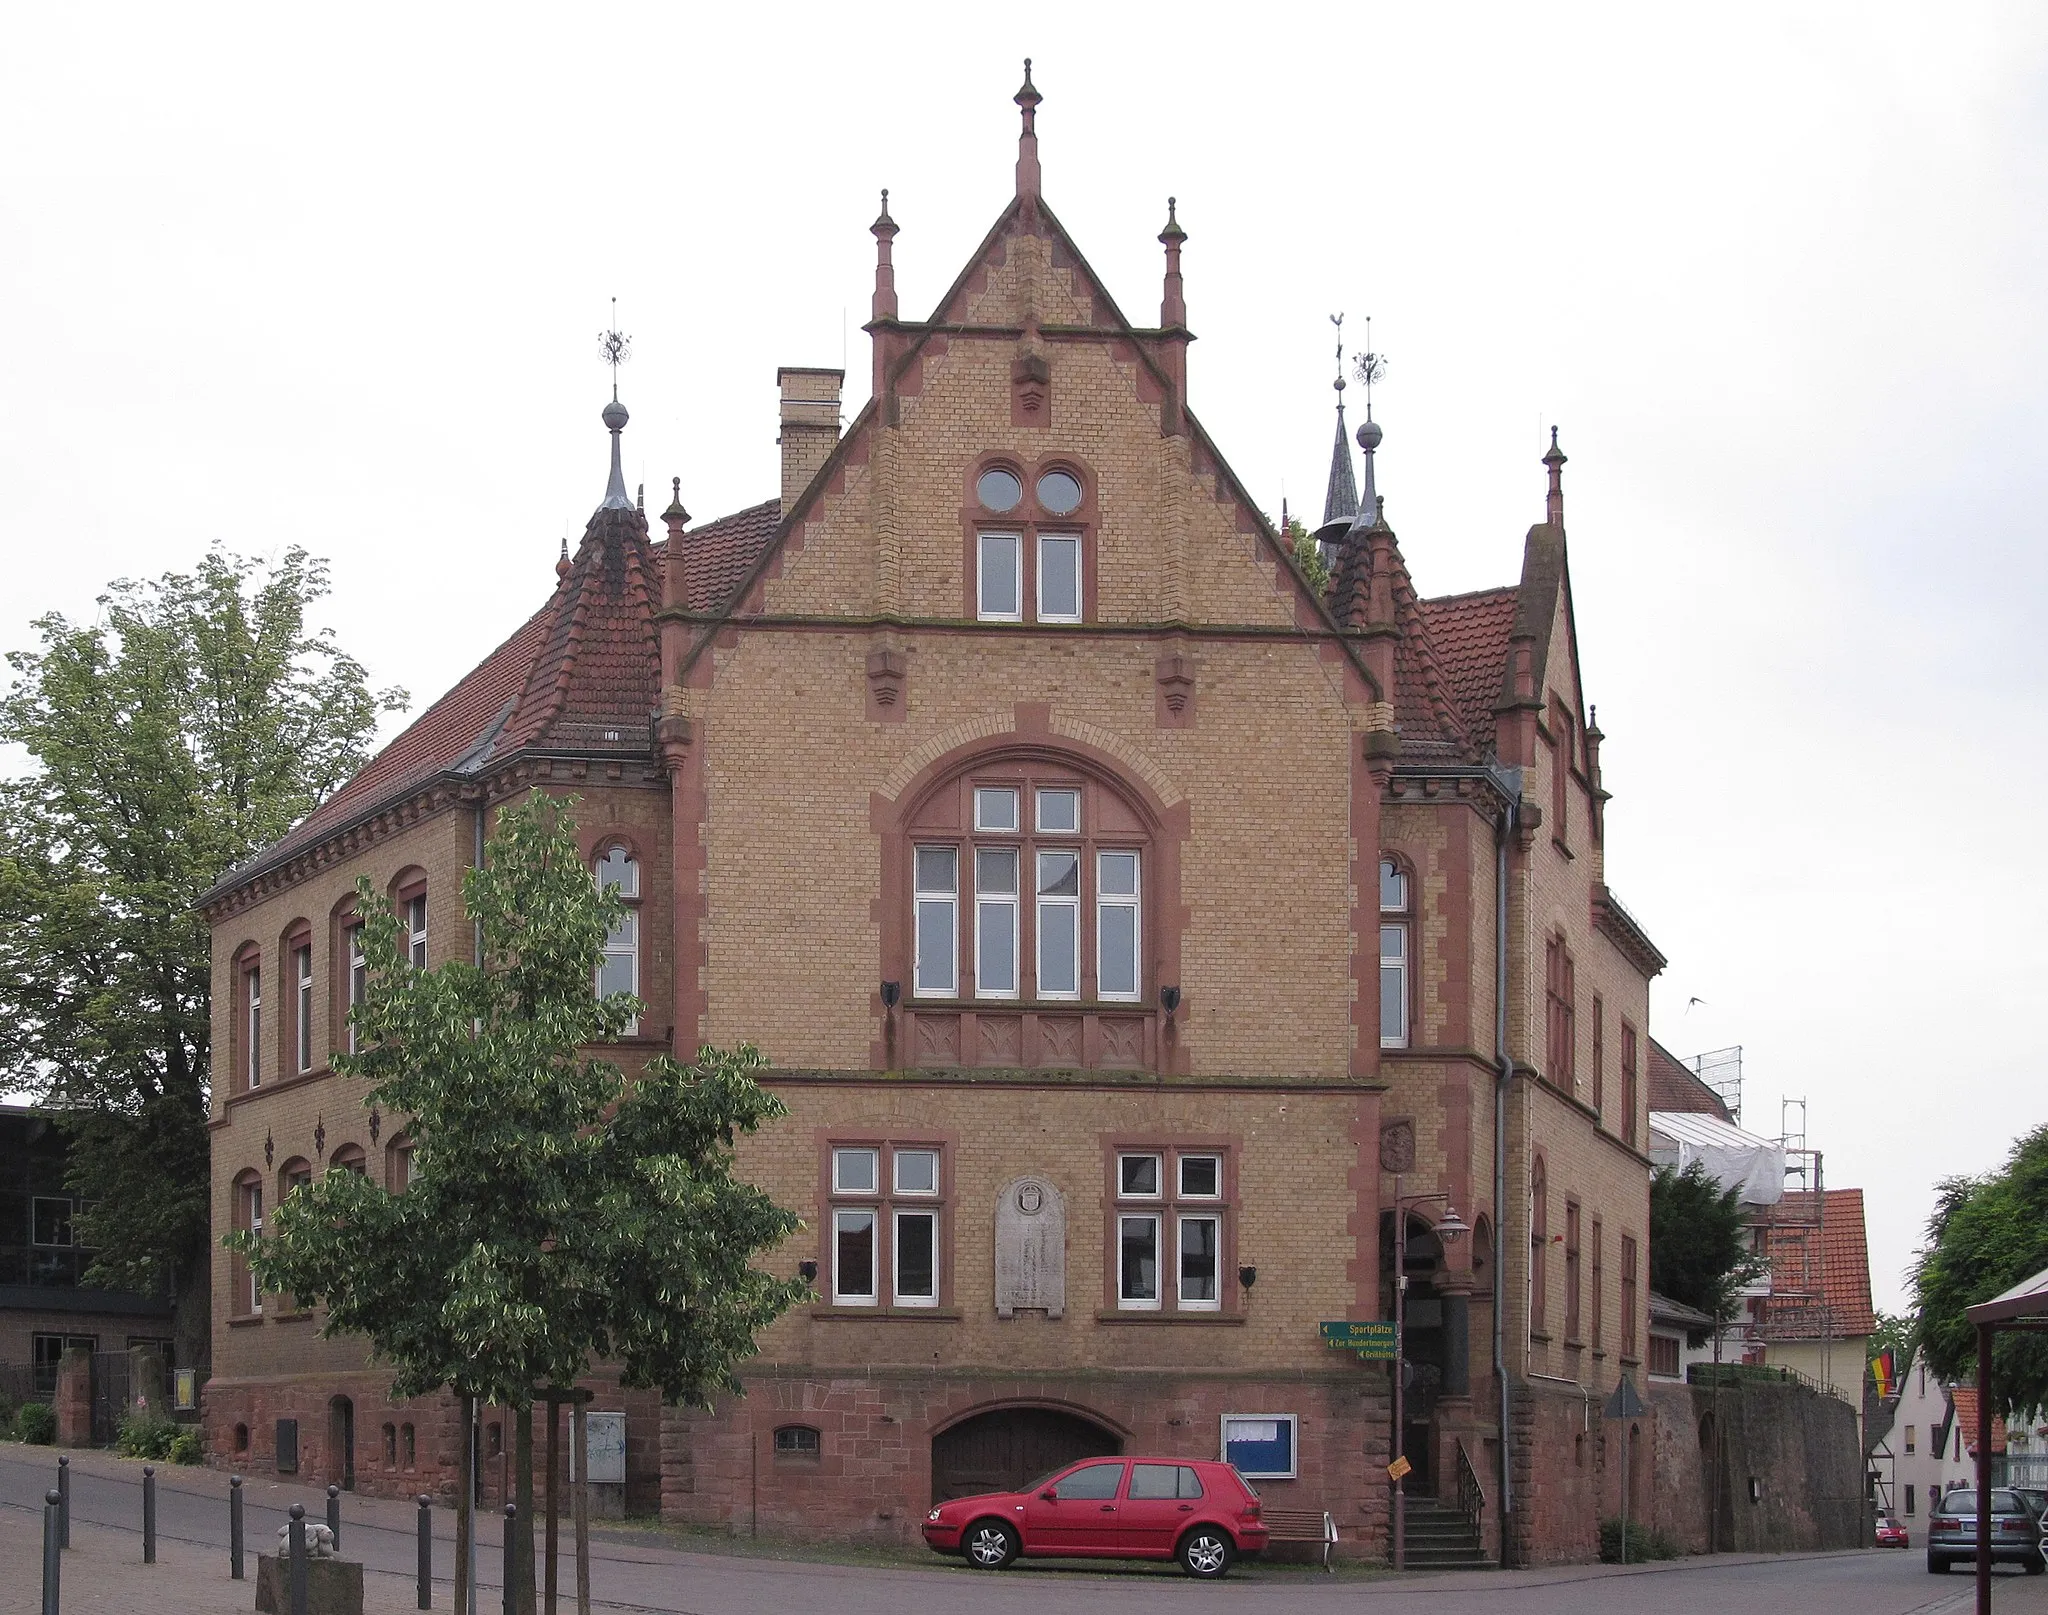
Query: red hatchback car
x=1201, y=1513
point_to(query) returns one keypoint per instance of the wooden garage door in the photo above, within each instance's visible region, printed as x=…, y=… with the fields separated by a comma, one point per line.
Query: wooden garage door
x=1005, y=1450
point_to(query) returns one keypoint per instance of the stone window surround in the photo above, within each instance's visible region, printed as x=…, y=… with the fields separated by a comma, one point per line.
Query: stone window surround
x=1170, y=1204
x=247, y=1051
x=1405, y=918
x=295, y=1000
x=885, y=1202
x=1026, y=521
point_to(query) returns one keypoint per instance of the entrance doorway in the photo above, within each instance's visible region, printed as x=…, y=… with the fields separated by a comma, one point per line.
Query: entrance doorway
x=1422, y=1342
x=341, y=1443
x=1006, y=1449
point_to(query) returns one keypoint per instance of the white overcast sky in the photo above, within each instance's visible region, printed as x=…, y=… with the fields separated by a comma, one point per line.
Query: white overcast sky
x=273, y=276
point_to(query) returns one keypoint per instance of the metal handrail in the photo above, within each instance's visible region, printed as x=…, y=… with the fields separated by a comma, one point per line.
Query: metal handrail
x=1471, y=1495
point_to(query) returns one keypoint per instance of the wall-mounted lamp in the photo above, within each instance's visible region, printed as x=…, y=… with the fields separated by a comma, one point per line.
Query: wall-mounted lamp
x=807, y=1271
x=1247, y=1276
x=1169, y=999
x=891, y=992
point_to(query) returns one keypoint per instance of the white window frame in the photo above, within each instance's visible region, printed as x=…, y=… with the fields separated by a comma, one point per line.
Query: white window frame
x=1002, y=908
x=252, y=1197
x=896, y=1170
x=628, y=889
x=840, y=1297
x=896, y=1220
x=982, y=574
x=1158, y=1175
x=1394, y=927
x=358, y=982
x=1046, y=902
x=252, y=1012
x=303, y=1033
x=1291, y=1420
x=1213, y=1303
x=416, y=930
x=987, y=826
x=1038, y=796
x=1045, y=542
x=919, y=899
x=1180, y=1175
x=1133, y=902
x=843, y=1152
x=1129, y=1303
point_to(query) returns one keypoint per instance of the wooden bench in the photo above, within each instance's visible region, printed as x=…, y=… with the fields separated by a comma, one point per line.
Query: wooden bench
x=1301, y=1525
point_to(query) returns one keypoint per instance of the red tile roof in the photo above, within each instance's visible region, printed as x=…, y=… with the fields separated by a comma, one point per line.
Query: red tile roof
x=1833, y=1260
x=1965, y=1399
x=718, y=556
x=1673, y=1086
x=1470, y=633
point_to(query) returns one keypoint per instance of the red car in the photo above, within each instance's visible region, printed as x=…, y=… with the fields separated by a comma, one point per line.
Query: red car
x=1200, y=1512
x=1890, y=1534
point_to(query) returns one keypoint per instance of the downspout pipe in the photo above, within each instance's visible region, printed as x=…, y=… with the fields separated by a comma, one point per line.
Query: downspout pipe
x=1510, y=781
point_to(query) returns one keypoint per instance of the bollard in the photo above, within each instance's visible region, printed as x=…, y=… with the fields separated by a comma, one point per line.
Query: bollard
x=149, y=1514
x=234, y=1527
x=511, y=1542
x=334, y=1515
x=426, y=1553
x=52, y=1558
x=298, y=1558
x=63, y=1502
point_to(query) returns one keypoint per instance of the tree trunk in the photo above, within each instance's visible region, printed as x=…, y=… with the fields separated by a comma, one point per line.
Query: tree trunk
x=465, y=1489
x=522, y=1548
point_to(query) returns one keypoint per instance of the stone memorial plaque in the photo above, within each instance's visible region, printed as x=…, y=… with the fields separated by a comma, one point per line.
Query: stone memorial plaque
x=1031, y=1249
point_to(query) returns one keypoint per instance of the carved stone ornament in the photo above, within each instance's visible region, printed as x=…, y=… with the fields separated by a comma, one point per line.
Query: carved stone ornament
x=376, y=1124
x=1397, y=1147
x=320, y=1136
x=885, y=677
x=269, y=1147
x=1031, y=1249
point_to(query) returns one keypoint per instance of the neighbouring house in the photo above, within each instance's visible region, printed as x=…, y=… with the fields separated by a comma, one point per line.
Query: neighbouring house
x=1004, y=778
x=1679, y=1337
x=1933, y=1443
x=1818, y=1317
x=46, y=1307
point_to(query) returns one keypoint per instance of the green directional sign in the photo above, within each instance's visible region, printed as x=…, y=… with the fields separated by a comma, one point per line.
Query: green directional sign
x=1372, y=1339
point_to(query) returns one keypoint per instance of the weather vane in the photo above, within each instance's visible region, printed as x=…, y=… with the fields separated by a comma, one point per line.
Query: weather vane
x=616, y=347
x=1368, y=366
x=1338, y=321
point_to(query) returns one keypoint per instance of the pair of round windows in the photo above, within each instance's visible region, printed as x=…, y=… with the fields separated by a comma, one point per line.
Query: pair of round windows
x=1059, y=492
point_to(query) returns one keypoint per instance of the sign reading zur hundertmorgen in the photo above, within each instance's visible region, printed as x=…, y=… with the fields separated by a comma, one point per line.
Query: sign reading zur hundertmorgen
x=1371, y=1338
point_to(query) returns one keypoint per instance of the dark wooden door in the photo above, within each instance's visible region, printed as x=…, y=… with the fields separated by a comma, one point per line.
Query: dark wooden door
x=1007, y=1449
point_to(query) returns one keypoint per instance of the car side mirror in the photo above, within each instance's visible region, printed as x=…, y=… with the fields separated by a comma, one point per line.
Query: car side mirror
x=1049, y=1495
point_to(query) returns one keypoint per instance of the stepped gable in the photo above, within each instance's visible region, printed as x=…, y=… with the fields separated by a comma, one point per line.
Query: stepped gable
x=596, y=681
x=1470, y=634
x=717, y=557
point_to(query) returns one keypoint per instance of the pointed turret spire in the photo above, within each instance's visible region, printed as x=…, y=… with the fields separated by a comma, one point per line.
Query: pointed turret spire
x=1340, y=500
x=1173, y=303
x=1027, y=141
x=617, y=345
x=884, y=229
x=1553, y=502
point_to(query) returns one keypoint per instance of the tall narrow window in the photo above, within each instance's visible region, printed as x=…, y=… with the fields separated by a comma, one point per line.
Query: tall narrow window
x=1059, y=924
x=416, y=930
x=1628, y=1082
x=619, y=971
x=1199, y=1273
x=1628, y=1296
x=252, y=1027
x=1001, y=588
x=248, y=1294
x=302, y=1005
x=1116, y=925
x=1571, y=1272
x=1561, y=757
x=1599, y=1054
x=995, y=922
x=358, y=983
x=1394, y=917
x=1138, y=1262
x=853, y=1257
x=1559, y=989
x=1599, y=1293
x=1539, y=1248
x=938, y=921
x=1059, y=577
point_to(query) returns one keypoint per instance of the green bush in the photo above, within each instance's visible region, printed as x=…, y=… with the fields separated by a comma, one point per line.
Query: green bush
x=36, y=1424
x=146, y=1435
x=1643, y=1543
x=184, y=1447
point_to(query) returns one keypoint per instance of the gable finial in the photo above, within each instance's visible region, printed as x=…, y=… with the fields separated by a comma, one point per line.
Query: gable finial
x=1340, y=494
x=1027, y=140
x=1368, y=367
x=1553, y=501
x=616, y=347
x=562, y=560
x=1173, y=303
x=884, y=231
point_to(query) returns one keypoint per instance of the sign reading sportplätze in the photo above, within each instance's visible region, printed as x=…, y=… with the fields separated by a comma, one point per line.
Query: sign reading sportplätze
x=1371, y=1338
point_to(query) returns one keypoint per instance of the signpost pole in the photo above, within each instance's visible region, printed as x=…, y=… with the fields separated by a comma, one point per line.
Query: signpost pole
x=1400, y=1521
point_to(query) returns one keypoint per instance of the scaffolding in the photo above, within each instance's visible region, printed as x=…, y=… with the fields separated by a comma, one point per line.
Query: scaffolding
x=1791, y=1237
x=1721, y=1070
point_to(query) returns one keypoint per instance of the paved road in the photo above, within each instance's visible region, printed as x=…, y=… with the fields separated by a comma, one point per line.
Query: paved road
x=105, y=1576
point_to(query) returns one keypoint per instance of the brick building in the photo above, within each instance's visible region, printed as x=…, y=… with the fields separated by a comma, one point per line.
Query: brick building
x=1004, y=779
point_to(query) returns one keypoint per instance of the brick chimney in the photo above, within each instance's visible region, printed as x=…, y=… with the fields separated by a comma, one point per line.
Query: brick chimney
x=810, y=425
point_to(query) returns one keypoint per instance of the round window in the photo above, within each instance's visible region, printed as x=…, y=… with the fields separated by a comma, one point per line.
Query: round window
x=998, y=490
x=1059, y=492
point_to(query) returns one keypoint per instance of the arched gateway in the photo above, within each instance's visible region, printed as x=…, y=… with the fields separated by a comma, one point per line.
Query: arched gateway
x=1007, y=1448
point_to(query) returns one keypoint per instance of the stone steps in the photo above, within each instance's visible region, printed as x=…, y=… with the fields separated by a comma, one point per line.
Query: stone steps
x=1439, y=1538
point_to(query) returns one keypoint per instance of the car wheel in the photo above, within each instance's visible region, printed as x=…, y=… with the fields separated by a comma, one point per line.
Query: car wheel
x=1205, y=1553
x=1937, y=1564
x=2036, y=1565
x=989, y=1544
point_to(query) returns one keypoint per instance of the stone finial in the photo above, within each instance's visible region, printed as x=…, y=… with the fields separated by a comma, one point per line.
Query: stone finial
x=1173, y=305
x=1553, y=501
x=615, y=417
x=1027, y=100
x=675, y=515
x=884, y=230
x=562, y=560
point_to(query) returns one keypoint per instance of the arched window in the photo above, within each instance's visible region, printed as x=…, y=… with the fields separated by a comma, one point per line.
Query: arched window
x=409, y=893
x=245, y=1295
x=1539, y=1247
x=295, y=1030
x=797, y=1443
x=398, y=1164
x=1396, y=912
x=349, y=1158
x=350, y=975
x=1030, y=528
x=618, y=871
x=390, y=1446
x=249, y=1013
x=406, y=1449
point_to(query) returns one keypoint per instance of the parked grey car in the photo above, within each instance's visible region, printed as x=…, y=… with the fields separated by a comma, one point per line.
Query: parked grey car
x=2015, y=1531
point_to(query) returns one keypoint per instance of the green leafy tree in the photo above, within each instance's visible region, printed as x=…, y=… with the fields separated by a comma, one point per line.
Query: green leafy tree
x=1699, y=1241
x=1307, y=555
x=1894, y=1333
x=1986, y=1235
x=555, y=1215
x=194, y=721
